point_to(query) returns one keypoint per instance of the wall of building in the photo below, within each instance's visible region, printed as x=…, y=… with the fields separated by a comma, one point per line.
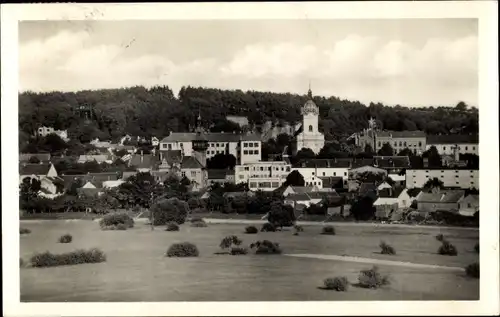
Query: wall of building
x=434, y=206
x=398, y=144
x=255, y=174
x=309, y=172
x=463, y=178
x=463, y=148
x=250, y=152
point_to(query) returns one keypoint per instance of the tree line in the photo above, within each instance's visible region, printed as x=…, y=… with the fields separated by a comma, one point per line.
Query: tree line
x=156, y=111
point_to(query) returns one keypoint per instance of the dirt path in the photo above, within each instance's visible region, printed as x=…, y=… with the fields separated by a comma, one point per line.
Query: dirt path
x=374, y=261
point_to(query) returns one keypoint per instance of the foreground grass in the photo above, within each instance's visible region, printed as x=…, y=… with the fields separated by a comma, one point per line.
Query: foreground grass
x=137, y=269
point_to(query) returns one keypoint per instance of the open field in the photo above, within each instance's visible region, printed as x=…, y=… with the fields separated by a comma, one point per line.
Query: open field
x=137, y=270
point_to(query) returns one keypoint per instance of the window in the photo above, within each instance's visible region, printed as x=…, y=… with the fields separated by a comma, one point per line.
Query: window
x=256, y=144
x=310, y=128
x=193, y=174
x=395, y=143
x=444, y=148
x=247, y=168
x=208, y=152
x=212, y=152
x=275, y=185
x=288, y=168
x=466, y=148
x=164, y=146
x=169, y=146
x=345, y=173
x=261, y=168
x=420, y=143
x=250, y=144
x=314, y=183
x=323, y=173
x=245, y=152
x=250, y=152
x=256, y=152
x=457, y=183
x=400, y=143
x=442, y=176
x=183, y=174
x=253, y=185
x=473, y=148
x=459, y=147
x=313, y=173
x=379, y=144
x=334, y=173
x=241, y=176
x=469, y=205
x=282, y=169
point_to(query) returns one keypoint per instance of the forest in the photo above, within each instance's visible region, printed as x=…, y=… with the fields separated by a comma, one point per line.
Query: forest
x=156, y=111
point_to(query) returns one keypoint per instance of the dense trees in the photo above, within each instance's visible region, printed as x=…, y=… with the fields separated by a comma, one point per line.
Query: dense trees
x=156, y=111
x=386, y=150
x=221, y=161
x=294, y=179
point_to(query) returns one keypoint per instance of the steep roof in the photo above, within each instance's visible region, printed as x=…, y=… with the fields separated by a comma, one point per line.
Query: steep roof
x=392, y=161
x=143, y=161
x=34, y=169
x=413, y=192
x=390, y=193
x=402, y=134
x=331, y=181
x=298, y=197
x=98, y=158
x=303, y=189
x=43, y=157
x=452, y=196
x=89, y=192
x=323, y=163
x=190, y=162
x=429, y=197
x=453, y=139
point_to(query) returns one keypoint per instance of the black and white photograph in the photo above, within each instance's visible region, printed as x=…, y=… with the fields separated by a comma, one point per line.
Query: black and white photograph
x=288, y=159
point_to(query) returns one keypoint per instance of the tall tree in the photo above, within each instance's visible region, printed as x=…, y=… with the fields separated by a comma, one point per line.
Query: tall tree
x=295, y=179
x=386, y=150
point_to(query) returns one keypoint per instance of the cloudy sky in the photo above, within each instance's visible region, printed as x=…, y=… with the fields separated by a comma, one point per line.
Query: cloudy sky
x=408, y=62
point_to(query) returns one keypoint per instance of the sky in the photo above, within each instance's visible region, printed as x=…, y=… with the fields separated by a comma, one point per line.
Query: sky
x=410, y=62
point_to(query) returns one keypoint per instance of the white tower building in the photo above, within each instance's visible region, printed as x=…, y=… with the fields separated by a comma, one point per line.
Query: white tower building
x=310, y=137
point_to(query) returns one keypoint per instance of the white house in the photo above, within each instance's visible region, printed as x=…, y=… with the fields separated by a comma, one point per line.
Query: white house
x=266, y=176
x=449, y=144
x=468, y=205
x=451, y=177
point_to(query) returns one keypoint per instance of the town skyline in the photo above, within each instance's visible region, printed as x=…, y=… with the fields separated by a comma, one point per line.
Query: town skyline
x=359, y=60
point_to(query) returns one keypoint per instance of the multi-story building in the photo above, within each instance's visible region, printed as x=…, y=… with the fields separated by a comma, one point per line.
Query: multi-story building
x=457, y=177
x=313, y=170
x=450, y=144
x=309, y=136
x=265, y=176
x=44, y=131
x=400, y=140
x=246, y=148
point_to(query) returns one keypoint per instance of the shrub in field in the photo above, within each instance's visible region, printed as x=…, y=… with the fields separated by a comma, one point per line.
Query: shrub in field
x=440, y=237
x=251, y=230
x=71, y=258
x=67, y=238
x=447, y=248
x=372, y=278
x=476, y=248
x=172, y=226
x=339, y=284
x=238, y=251
x=298, y=228
x=268, y=227
x=266, y=247
x=116, y=221
x=230, y=241
x=196, y=219
x=24, y=231
x=169, y=210
x=328, y=230
x=386, y=249
x=21, y=262
x=183, y=249
x=199, y=224
x=472, y=270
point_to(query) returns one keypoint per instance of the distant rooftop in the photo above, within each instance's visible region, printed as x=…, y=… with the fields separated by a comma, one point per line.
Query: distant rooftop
x=402, y=134
x=453, y=139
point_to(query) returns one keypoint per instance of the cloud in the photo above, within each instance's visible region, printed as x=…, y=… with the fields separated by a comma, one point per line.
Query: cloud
x=440, y=71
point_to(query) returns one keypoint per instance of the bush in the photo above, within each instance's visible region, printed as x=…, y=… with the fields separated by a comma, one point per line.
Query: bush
x=238, y=251
x=196, y=219
x=298, y=228
x=183, y=249
x=116, y=221
x=372, y=278
x=67, y=238
x=199, y=211
x=472, y=270
x=229, y=241
x=339, y=284
x=21, y=262
x=268, y=227
x=24, y=231
x=266, y=247
x=476, y=248
x=386, y=249
x=71, y=258
x=172, y=226
x=447, y=248
x=199, y=224
x=328, y=230
x=169, y=210
x=440, y=237
x=251, y=230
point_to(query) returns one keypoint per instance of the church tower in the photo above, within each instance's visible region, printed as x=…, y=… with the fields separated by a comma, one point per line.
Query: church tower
x=310, y=137
x=200, y=144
